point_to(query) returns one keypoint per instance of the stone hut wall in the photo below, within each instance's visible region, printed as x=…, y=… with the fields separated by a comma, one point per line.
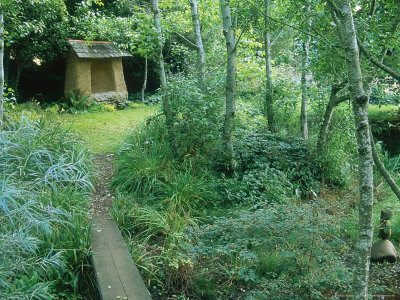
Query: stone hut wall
x=103, y=78
x=78, y=75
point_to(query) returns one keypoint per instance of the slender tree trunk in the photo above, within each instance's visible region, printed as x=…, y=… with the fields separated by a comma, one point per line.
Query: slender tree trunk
x=304, y=75
x=365, y=166
x=157, y=25
x=268, y=70
x=1, y=69
x=330, y=108
x=382, y=170
x=201, y=65
x=323, y=132
x=230, y=86
x=18, y=78
x=6, y=64
x=161, y=73
x=145, y=78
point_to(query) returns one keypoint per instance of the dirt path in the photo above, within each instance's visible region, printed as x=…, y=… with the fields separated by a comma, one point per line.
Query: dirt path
x=102, y=197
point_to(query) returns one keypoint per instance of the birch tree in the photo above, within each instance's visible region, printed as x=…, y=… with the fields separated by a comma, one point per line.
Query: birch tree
x=201, y=71
x=145, y=77
x=304, y=74
x=268, y=68
x=230, y=85
x=365, y=167
x=161, y=68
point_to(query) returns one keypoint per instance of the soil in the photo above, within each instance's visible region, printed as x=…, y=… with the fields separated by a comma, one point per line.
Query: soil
x=102, y=197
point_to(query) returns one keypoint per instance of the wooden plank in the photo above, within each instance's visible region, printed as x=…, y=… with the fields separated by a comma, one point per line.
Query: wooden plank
x=116, y=273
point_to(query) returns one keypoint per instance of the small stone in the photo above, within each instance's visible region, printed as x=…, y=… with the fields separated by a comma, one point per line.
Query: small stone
x=109, y=286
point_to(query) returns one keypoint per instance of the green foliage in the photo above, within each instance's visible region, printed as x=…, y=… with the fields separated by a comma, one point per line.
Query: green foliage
x=34, y=152
x=197, y=118
x=164, y=199
x=384, y=93
x=79, y=101
x=341, y=149
x=286, y=95
x=285, y=250
x=9, y=99
x=263, y=183
x=275, y=156
x=144, y=159
x=44, y=232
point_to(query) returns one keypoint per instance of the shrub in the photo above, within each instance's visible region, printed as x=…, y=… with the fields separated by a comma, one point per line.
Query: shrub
x=262, y=183
x=79, y=101
x=259, y=152
x=197, y=118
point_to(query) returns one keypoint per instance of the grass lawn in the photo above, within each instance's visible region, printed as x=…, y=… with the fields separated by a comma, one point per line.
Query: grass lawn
x=103, y=131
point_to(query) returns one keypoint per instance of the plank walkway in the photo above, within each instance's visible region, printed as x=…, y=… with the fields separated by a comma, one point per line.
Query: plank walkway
x=116, y=273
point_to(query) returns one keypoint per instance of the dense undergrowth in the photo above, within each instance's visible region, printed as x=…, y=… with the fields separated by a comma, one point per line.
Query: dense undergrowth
x=44, y=225
x=270, y=230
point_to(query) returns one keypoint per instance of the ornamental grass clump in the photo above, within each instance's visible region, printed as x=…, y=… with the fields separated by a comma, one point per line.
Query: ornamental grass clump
x=44, y=226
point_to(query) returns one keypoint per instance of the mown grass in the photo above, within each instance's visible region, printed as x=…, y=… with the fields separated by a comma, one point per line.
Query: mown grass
x=103, y=131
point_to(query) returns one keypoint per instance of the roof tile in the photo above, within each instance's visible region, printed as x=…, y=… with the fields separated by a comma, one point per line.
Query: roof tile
x=96, y=49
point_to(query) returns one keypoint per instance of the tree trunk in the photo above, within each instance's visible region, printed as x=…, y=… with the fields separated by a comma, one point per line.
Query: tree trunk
x=161, y=73
x=268, y=70
x=323, y=132
x=230, y=85
x=304, y=75
x=1, y=69
x=365, y=169
x=382, y=170
x=201, y=68
x=6, y=62
x=145, y=78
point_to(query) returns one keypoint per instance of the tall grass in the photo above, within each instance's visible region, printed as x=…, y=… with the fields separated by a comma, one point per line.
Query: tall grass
x=44, y=227
x=159, y=197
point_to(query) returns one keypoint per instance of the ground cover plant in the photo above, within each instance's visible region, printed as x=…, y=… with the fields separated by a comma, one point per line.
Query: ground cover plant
x=270, y=230
x=44, y=232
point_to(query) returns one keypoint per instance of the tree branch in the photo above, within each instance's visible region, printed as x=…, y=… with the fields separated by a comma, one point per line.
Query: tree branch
x=381, y=168
x=191, y=44
x=334, y=7
x=319, y=38
x=277, y=36
x=377, y=63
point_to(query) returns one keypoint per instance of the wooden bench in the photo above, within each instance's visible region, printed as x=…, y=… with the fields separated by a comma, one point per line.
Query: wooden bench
x=116, y=273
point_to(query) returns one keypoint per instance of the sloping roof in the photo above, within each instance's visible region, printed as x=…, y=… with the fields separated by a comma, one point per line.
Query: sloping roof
x=96, y=49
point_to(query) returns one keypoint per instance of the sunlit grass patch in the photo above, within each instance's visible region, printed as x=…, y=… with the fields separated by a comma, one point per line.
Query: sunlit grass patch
x=103, y=131
x=383, y=112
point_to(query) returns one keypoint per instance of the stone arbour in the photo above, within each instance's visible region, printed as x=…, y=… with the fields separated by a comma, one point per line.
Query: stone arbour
x=95, y=69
